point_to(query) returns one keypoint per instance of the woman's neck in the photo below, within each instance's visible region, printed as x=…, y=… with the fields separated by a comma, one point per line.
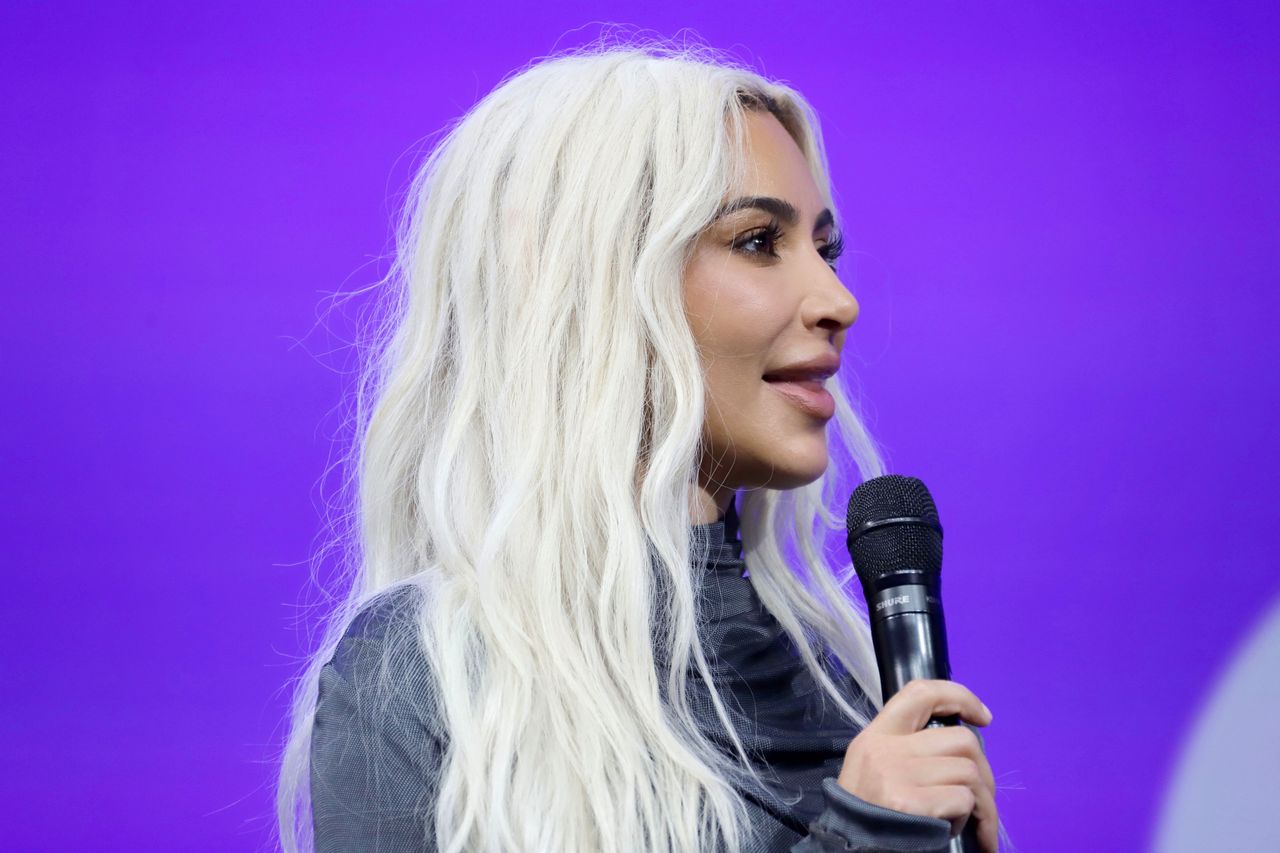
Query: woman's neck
x=710, y=503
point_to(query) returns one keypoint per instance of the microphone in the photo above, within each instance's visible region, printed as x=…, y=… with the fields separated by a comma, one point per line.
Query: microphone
x=895, y=542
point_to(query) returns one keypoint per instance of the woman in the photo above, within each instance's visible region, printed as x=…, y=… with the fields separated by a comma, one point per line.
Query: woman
x=616, y=310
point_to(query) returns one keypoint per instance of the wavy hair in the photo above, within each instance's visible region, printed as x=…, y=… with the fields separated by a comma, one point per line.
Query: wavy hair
x=529, y=429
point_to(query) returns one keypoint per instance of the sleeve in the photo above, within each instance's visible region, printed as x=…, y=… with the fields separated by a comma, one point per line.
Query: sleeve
x=375, y=758
x=852, y=825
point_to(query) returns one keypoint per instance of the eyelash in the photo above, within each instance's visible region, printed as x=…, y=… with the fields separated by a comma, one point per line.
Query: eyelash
x=773, y=232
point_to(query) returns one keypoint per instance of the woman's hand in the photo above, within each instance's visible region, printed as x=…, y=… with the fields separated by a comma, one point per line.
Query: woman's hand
x=897, y=763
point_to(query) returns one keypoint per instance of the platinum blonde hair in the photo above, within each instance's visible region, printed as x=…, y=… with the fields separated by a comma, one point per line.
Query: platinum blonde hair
x=529, y=431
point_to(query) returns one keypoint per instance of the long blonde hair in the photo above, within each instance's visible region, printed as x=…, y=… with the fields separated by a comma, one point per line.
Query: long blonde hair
x=529, y=429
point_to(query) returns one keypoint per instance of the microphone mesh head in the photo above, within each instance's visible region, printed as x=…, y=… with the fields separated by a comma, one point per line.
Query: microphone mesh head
x=896, y=547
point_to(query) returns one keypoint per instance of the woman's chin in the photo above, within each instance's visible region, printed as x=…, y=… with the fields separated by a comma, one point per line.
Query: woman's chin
x=796, y=478
x=772, y=460
x=793, y=470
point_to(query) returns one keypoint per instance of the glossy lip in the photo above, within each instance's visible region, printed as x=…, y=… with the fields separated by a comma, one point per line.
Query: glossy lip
x=809, y=395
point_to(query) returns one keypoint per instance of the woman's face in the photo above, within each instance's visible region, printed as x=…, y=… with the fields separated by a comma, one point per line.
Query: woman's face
x=769, y=317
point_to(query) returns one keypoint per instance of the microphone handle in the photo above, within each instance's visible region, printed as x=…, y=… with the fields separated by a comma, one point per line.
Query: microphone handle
x=909, y=633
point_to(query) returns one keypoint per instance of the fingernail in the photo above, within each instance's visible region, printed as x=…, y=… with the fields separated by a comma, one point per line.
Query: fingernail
x=988, y=710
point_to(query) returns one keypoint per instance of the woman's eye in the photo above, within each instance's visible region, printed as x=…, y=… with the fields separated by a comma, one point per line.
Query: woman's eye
x=832, y=250
x=761, y=242
x=766, y=240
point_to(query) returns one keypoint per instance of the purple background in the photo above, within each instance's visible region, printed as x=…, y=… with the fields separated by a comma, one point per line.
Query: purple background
x=1064, y=219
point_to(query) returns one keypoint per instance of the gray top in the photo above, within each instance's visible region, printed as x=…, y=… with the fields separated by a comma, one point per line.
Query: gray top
x=373, y=773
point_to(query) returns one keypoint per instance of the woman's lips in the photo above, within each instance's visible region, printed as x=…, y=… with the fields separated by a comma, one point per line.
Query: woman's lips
x=808, y=394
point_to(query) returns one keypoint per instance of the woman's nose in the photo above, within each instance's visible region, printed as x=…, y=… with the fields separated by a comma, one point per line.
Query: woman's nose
x=830, y=305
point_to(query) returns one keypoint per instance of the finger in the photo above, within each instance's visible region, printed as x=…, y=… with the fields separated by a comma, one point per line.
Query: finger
x=945, y=740
x=987, y=820
x=954, y=803
x=939, y=770
x=935, y=778
x=955, y=741
x=984, y=811
x=963, y=771
x=984, y=767
x=949, y=771
x=920, y=699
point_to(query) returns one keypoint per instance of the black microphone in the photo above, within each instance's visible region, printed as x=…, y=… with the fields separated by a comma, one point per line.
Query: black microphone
x=895, y=541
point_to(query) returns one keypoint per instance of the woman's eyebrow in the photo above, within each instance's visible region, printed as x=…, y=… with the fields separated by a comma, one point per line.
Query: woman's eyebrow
x=780, y=208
